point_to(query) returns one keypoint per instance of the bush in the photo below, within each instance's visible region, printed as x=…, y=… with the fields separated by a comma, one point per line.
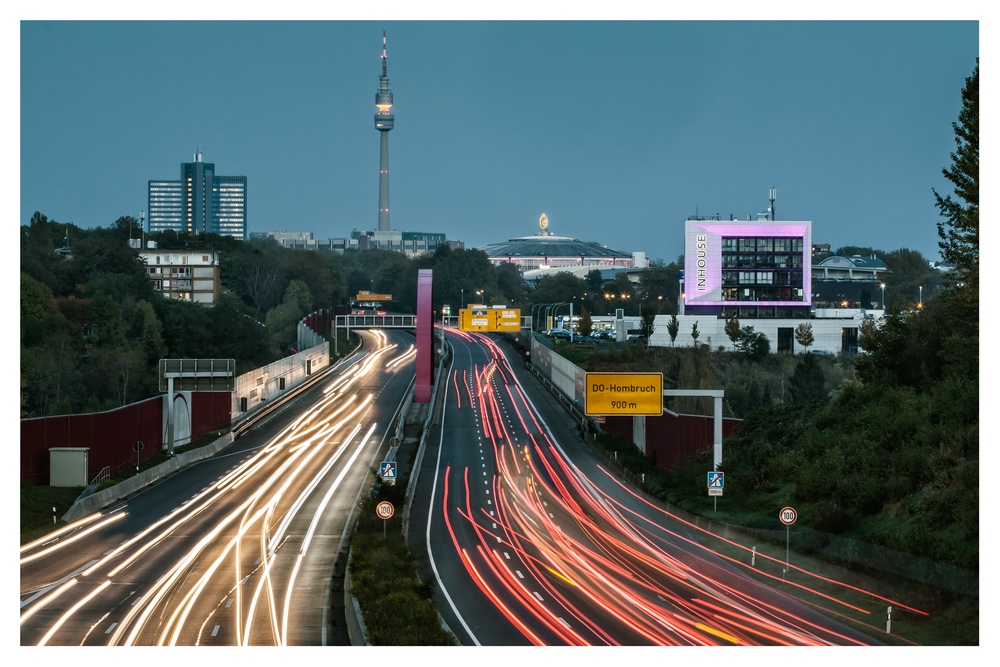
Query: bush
x=399, y=610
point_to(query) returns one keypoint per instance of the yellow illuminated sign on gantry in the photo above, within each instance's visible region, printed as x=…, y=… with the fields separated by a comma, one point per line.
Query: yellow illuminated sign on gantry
x=502, y=320
x=365, y=295
x=638, y=394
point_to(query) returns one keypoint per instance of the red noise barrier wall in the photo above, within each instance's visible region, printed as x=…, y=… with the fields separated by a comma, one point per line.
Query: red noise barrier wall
x=110, y=435
x=671, y=438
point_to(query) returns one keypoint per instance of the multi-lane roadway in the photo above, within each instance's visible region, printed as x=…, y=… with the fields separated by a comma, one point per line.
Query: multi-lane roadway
x=237, y=549
x=530, y=541
x=526, y=537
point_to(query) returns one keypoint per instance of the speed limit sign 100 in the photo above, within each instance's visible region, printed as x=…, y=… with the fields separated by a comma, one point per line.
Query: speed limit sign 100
x=787, y=516
x=384, y=510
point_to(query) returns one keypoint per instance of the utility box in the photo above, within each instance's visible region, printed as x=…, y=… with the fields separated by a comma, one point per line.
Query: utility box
x=68, y=466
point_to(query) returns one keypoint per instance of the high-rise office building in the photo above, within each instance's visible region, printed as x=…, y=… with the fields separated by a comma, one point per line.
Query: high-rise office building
x=200, y=202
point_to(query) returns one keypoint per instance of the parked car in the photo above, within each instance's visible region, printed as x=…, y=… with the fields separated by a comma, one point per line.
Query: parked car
x=559, y=334
x=605, y=334
x=584, y=339
x=638, y=339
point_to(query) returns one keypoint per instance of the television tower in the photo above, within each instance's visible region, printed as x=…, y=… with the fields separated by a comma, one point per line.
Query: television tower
x=384, y=120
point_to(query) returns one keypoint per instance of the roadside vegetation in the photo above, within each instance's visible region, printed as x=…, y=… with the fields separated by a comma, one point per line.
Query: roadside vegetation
x=398, y=609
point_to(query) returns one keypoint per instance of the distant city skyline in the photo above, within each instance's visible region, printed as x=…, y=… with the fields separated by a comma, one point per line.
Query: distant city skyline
x=618, y=131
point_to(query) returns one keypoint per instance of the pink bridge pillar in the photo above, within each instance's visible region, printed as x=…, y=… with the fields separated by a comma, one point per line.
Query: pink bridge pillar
x=425, y=337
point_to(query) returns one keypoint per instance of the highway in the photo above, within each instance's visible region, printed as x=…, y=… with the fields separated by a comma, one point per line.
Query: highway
x=236, y=550
x=530, y=541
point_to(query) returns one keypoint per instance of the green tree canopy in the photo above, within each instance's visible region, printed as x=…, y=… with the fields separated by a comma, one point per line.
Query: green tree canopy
x=959, y=229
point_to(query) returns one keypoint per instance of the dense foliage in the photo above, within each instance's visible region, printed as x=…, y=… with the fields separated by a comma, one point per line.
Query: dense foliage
x=398, y=609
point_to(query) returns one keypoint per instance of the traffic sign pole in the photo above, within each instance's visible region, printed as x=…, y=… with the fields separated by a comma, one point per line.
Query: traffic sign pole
x=384, y=511
x=787, y=516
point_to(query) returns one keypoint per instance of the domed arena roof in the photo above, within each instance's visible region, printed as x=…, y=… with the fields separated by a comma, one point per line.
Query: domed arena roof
x=547, y=246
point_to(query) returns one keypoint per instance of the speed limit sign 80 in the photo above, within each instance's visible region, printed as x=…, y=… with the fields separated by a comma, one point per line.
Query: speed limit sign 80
x=787, y=515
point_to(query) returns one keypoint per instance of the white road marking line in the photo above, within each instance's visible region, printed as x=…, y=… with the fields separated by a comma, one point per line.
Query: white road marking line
x=506, y=555
x=519, y=573
x=489, y=502
x=134, y=603
x=110, y=628
x=230, y=603
x=494, y=525
x=215, y=630
x=498, y=539
x=563, y=621
x=540, y=598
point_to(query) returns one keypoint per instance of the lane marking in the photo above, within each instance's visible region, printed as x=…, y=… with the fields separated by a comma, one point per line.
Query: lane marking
x=215, y=630
x=519, y=573
x=110, y=628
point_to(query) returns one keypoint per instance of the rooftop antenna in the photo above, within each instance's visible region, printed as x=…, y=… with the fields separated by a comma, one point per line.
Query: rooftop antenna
x=772, y=195
x=383, y=55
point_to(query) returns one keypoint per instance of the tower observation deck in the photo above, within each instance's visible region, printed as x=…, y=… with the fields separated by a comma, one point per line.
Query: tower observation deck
x=384, y=120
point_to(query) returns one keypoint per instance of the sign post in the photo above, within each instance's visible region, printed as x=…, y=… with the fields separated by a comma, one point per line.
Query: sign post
x=788, y=516
x=137, y=446
x=384, y=511
x=716, y=482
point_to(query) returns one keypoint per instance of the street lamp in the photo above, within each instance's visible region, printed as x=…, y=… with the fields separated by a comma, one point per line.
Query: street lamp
x=883, y=296
x=920, y=302
x=462, y=305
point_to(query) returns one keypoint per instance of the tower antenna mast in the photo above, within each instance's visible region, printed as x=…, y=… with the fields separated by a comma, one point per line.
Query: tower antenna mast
x=384, y=121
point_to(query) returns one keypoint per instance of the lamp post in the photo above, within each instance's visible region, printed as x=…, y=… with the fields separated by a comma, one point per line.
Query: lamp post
x=479, y=293
x=533, y=321
x=883, y=296
x=462, y=305
x=920, y=302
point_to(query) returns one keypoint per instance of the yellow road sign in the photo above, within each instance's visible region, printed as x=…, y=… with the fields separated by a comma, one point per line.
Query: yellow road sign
x=639, y=394
x=365, y=295
x=489, y=319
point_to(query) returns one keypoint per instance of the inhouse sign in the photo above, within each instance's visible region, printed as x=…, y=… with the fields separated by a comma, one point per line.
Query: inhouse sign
x=702, y=253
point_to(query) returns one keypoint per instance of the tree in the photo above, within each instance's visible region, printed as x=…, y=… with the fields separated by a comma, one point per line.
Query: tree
x=808, y=383
x=585, y=325
x=754, y=343
x=733, y=328
x=694, y=333
x=128, y=227
x=261, y=284
x=673, y=326
x=959, y=231
x=647, y=323
x=106, y=322
x=804, y=335
x=595, y=282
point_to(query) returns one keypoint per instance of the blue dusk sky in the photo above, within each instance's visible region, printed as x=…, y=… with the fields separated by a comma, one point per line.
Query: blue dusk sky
x=617, y=130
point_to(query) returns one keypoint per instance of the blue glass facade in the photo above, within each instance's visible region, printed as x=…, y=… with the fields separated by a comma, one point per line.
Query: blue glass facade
x=199, y=202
